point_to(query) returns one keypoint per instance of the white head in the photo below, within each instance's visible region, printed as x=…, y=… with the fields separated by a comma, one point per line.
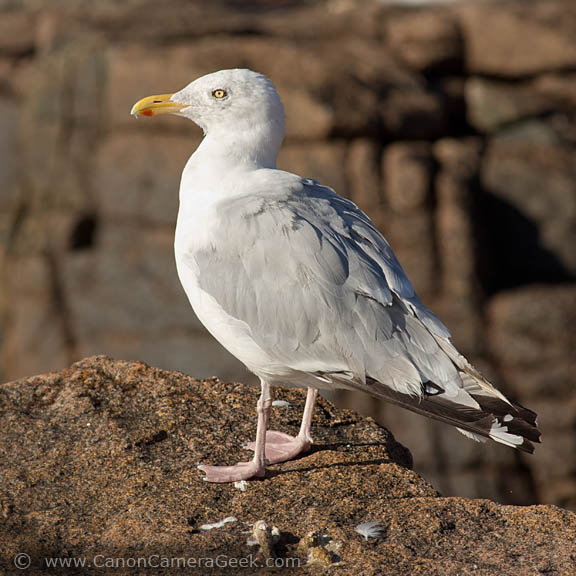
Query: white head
x=239, y=105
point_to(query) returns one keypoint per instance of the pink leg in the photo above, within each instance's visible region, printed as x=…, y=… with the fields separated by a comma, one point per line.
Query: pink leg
x=281, y=447
x=256, y=467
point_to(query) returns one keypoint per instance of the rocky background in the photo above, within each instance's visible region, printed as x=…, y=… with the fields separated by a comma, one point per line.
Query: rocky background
x=454, y=127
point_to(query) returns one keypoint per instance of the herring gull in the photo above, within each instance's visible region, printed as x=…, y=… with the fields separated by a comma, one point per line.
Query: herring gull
x=299, y=285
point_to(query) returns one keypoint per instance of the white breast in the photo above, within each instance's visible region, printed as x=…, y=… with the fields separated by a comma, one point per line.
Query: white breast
x=193, y=232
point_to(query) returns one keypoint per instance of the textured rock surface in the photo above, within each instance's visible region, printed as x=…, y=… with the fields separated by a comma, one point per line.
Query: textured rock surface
x=525, y=329
x=452, y=125
x=498, y=36
x=99, y=461
x=540, y=230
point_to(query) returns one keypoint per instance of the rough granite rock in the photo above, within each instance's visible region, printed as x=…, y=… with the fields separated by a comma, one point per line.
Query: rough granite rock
x=498, y=34
x=516, y=176
x=99, y=461
x=426, y=41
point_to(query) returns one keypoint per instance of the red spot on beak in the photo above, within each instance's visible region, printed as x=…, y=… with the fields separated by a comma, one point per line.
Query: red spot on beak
x=147, y=113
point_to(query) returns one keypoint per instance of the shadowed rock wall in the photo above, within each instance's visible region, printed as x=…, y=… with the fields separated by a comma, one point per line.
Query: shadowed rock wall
x=453, y=127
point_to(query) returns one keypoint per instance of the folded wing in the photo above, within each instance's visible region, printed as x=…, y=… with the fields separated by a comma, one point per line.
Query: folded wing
x=322, y=293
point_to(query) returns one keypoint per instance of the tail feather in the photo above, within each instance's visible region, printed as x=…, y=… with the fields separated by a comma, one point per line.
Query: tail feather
x=470, y=403
x=471, y=435
x=517, y=419
x=500, y=420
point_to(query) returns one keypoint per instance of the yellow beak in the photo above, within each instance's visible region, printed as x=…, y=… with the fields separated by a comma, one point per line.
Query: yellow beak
x=153, y=105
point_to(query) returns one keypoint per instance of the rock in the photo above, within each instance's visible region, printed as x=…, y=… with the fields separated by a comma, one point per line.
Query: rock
x=357, y=79
x=413, y=112
x=42, y=231
x=16, y=32
x=407, y=171
x=560, y=87
x=176, y=20
x=9, y=156
x=339, y=20
x=409, y=227
x=147, y=20
x=455, y=187
x=531, y=336
x=531, y=131
x=494, y=104
x=103, y=465
x=307, y=117
x=7, y=73
x=497, y=37
x=128, y=286
x=363, y=175
x=61, y=126
x=533, y=325
x=322, y=161
x=530, y=212
x=137, y=176
x=38, y=338
x=426, y=41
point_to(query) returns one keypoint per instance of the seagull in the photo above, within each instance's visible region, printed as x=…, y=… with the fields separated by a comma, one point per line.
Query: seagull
x=297, y=282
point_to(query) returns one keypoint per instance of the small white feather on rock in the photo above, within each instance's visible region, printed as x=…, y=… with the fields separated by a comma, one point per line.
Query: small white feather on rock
x=281, y=403
x=206, y=527
x=370, y=529
x=242, y=485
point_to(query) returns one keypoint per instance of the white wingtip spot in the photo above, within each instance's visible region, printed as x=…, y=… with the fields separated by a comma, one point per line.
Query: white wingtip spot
x=500, y=434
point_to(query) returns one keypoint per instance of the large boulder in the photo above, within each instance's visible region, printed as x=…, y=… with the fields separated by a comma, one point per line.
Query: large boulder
x=99, y=463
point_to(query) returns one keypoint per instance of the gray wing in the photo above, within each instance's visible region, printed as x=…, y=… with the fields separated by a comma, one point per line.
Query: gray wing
x=323, y=293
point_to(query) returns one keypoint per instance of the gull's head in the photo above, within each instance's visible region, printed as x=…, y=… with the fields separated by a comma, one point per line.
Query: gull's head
x=229, y=99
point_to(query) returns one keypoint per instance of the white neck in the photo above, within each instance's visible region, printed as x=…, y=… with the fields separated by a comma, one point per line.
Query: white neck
x=212, y=171
x=242, y=147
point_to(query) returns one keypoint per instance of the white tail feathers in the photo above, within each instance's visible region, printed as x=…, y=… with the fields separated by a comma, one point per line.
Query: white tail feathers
x=472, y=435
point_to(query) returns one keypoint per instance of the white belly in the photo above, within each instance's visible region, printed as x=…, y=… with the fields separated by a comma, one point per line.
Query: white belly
x=235, y=335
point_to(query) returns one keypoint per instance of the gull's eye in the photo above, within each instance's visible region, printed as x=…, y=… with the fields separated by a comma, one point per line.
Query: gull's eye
x=219, y=93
